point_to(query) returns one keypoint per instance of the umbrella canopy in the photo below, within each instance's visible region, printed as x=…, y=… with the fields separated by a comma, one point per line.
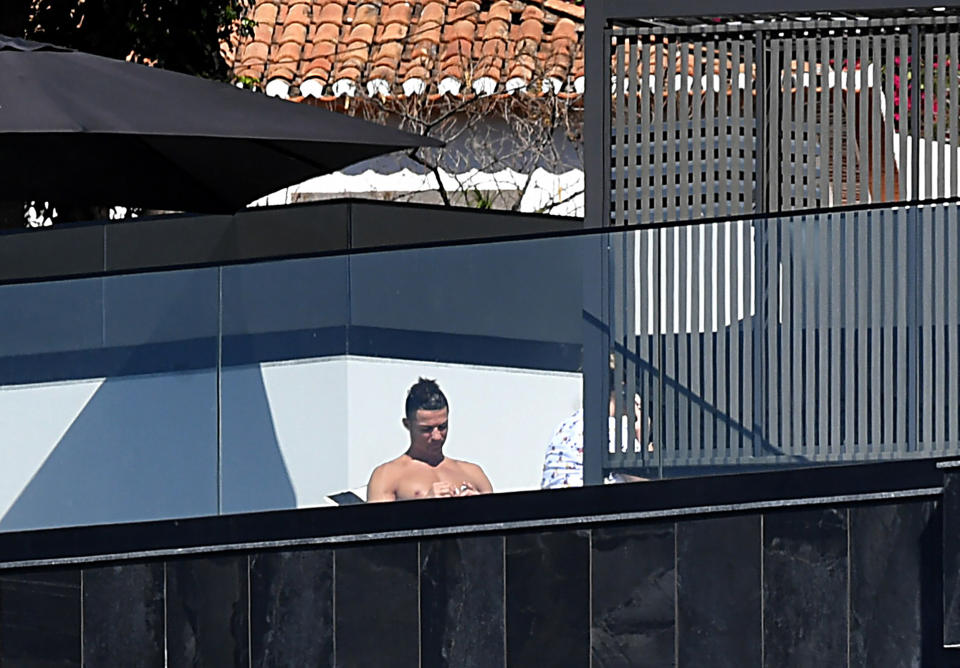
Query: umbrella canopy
x=84, y=129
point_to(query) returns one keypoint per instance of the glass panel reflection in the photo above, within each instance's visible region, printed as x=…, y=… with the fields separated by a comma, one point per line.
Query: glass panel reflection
x=727, y=346
x=108, y=402
x=496, y=324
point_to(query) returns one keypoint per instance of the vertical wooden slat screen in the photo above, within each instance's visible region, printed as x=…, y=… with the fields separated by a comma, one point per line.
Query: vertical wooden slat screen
x=687, y=133
x=797, y=92
x=857, y=80
x=710, y=127
x=697, y=130
x=952, y=112
x=926, y=327
x=849, y=112
x=903, y=116
x=836, y=122
x=837, y=262
x=684, y=327
x=786, y=339
x=813, y=147
x=735, y=368
x=888, y=240
x=938, y=94
x=874, y=82
x=926, y=104
x=887, y=100
x=709, y=340
x=722, y=373
x=668, y=310
x=748, y=287
x=836, y=105
x=902, y=382
x=834, y=334
x=823, y=81
x=696, y=339
x=657, y=131
x=939, y=290
x=629, y=273
x=735, y=164
x=951, y=288
x=875, y=302
x=750, y=94
x=672, y=144
x=860, y=225
x=783, y=326
x=823, y=270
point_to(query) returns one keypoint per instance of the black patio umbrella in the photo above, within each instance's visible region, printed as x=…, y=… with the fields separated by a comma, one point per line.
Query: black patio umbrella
x=84, y=129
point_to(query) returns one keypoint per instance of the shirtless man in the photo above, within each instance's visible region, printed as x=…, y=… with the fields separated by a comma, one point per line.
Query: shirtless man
x=423, y=471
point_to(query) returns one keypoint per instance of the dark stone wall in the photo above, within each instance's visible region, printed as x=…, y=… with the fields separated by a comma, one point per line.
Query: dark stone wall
x=855, y=585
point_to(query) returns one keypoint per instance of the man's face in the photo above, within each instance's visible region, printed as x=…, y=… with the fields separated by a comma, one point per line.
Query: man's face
x=428, y=429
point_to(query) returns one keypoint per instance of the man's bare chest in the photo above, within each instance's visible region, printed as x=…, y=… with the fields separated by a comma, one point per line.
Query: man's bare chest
x=418, y=483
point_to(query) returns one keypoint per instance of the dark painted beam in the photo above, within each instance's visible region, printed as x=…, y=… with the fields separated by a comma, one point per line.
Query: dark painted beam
x=634, y=9
x=268, y=233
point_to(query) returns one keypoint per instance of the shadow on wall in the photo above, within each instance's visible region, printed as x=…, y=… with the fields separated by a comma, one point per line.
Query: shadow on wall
x=145, y=447
x=254, y=474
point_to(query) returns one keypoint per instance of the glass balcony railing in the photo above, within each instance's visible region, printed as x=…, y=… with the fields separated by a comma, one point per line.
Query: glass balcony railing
x=730, y=345
x=794, y=340
x=279, y=384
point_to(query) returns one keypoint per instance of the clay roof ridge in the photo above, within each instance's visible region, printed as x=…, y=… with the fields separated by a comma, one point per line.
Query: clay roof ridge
x=446, y=46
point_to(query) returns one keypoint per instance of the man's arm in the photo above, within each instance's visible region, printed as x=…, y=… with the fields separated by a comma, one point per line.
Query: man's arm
x=480, y=479
x=382, y=486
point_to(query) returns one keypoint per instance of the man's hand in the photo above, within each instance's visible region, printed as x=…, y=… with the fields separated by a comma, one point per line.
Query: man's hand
x=441, y=489
x=447, y=490
x=466, y=489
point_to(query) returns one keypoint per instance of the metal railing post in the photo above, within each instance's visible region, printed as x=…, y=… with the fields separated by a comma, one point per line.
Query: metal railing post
x=913, y=248
x=759, y=241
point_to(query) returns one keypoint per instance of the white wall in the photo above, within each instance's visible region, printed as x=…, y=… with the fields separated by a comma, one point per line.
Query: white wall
x=120, y=449
x=334, y=420
x=145, y=447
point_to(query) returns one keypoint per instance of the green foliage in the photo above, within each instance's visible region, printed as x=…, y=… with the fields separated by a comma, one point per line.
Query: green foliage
x=478, y=199
x=248, y=82
x=179, y=35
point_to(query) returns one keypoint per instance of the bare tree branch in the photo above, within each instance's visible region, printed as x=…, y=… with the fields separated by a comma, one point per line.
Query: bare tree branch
x=552, y=205
x=485, y=135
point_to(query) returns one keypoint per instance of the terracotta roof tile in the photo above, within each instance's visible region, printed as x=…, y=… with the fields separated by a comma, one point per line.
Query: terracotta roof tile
x=499, y=11
x=293, y=33
x=299, y=13
x=465, y=9
x=265, y=13
x=400, y=14
x=417, y=72
x=357, y=41
x=460, y=30
x=327, y=32
x=565, y=28
x=361, y=32
x=432, y=13
x=384, y=72
x=532, y=12
x=331, y=12
x=458, y=50
x=263, y=33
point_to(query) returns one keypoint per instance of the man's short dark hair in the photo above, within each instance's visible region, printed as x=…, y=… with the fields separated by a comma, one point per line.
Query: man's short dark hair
x=424, y=395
